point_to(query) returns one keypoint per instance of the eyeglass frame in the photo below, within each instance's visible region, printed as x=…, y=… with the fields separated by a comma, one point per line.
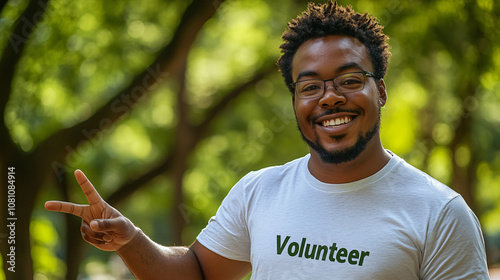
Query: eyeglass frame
x=365, y=74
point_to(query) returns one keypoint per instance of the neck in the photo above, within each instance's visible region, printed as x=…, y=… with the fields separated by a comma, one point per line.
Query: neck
x=369, y=162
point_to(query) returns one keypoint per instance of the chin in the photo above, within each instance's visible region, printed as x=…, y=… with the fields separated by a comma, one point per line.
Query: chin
x=342, y=155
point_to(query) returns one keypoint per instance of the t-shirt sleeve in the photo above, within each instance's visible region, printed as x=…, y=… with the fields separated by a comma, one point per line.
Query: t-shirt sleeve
x=226, y=233
x=455, y=246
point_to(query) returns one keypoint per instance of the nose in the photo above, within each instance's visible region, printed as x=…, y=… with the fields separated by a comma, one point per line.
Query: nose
x=331, y=97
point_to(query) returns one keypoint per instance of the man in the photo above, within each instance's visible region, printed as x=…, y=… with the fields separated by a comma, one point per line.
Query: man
x=348, y=210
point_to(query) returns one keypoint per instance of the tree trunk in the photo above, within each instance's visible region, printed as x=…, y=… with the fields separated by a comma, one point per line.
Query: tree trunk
x=183, y=148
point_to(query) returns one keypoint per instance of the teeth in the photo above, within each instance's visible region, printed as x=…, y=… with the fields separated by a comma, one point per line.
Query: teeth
x=337, y=121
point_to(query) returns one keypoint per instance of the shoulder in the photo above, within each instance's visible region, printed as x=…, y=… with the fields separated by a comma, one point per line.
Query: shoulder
x=417, y=182
x=443, y=203
x=275, y=173
x=264, y=182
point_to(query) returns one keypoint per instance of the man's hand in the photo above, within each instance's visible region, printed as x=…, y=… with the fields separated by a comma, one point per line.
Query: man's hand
x=102, y=226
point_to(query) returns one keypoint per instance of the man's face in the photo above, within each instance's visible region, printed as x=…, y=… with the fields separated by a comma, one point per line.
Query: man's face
x=358, y=112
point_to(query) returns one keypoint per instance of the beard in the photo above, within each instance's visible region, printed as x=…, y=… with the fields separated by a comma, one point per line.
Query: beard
x=346, y=154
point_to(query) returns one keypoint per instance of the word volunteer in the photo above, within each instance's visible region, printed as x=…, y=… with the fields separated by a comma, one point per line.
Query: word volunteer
x=317, y=252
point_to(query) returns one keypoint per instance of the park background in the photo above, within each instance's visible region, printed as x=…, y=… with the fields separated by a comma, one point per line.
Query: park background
x=166, y=104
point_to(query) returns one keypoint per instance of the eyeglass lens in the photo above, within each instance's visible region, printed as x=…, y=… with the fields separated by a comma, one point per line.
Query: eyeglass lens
x=345, y=83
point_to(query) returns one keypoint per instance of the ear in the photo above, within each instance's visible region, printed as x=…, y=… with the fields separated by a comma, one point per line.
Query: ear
x=382, y=93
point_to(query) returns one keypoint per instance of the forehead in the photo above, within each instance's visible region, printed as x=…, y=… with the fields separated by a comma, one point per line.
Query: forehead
x=331, y=55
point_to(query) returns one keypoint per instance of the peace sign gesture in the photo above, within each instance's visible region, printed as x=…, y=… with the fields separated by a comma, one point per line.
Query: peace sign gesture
x=102, y=226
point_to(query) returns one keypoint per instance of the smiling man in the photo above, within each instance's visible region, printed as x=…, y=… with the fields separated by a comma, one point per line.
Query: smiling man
x=348, y=210
x=337, y=103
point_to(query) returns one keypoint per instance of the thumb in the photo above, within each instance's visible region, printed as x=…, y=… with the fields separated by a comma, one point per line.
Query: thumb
x=100, y=225
x=119, y=225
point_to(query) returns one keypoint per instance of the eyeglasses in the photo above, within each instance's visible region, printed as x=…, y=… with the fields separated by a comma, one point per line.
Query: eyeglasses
x=345, y=83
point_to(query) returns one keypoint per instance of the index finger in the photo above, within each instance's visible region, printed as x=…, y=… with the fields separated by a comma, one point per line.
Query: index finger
x=88, y=189
x=66, y=207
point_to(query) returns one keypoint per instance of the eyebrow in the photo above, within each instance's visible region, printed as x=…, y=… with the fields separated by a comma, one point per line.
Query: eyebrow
x=306, y=73
x=344, y=67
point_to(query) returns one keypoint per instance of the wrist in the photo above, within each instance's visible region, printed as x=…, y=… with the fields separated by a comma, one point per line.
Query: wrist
x=132, y=243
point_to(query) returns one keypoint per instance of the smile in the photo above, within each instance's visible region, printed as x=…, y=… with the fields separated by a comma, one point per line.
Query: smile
x=337, y=121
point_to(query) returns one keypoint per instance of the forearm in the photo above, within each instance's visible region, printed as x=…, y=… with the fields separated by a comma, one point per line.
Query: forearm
x=149, y=260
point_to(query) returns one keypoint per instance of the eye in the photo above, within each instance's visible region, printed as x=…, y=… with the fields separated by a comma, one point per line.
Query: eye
x=311, y=87
x=306, y=86
x=351, y=82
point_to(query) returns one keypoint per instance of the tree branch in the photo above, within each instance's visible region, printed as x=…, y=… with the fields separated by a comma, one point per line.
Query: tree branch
x=2, y=4
x=129, y=187
x=23, y=28
x=215, y=110
x=119, y=107
x=201, y=131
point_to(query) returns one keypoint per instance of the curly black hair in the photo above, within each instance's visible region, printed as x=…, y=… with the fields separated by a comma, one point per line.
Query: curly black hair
x=321, y=20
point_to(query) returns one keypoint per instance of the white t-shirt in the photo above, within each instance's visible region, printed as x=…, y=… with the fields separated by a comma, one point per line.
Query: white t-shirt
x=396, y=224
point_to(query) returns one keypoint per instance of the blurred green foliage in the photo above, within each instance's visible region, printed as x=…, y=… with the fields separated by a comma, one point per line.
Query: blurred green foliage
x=82, y=52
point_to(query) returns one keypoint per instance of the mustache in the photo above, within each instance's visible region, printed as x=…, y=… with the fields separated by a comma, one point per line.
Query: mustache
x=334, y=111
